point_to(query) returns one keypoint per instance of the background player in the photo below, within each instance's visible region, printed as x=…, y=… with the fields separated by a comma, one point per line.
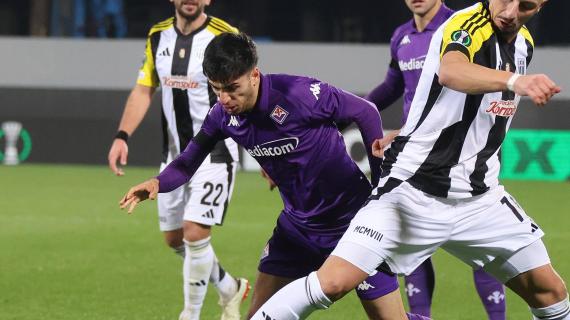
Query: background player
x=288, y=124
x=439, y=185
x=173, y=60
x=409, y=46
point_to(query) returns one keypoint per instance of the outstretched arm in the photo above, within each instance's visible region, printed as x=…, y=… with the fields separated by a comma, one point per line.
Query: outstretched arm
x=457, y=73
x=177, y=173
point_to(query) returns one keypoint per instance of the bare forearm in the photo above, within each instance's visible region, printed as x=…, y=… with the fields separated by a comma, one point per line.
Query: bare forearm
x=136, y=108
x=457, y=73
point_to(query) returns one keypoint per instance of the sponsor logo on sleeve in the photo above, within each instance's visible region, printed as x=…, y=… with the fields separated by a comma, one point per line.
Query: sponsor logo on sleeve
x=461, y=37
x=279, y=114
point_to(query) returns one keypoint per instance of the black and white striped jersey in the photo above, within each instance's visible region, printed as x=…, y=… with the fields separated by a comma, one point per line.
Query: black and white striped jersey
x=173, y=61
x=449, y=146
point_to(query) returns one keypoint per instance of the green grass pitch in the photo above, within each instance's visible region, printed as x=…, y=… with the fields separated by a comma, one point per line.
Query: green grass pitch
x=68, y=252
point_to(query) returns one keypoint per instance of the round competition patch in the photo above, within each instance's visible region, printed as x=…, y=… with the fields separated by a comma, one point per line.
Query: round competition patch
x=462, y=37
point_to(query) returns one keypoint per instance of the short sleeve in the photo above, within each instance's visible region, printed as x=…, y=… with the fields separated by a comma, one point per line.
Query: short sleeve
x=147, y=73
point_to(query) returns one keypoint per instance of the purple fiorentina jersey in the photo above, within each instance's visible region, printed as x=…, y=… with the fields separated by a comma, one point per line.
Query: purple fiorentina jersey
x=408, y=48
x=291, y=132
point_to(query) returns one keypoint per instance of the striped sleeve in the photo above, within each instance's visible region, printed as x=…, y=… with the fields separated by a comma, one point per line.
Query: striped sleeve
x=466, y=31
x=218, y=26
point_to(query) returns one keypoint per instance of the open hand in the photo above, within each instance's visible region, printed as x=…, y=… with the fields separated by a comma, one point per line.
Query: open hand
x=138, y=193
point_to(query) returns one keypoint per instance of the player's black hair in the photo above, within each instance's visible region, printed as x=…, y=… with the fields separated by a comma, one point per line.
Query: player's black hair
x=229, y=56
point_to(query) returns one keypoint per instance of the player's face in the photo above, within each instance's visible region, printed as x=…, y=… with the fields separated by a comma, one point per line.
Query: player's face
x=421, y=7
x=509, y=15
x=190, y=9
x=239, y=95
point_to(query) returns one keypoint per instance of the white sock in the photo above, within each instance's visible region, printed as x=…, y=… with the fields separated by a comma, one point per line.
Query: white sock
x=196, y=273
x=225, y=284
x=557, y=311
x=295, y=301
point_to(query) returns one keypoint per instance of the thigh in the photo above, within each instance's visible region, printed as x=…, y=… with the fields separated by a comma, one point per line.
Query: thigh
x=490, y=227
x=402, y=228
x=171, y=209
x=289, y=254
x=210, y=191
x=266, y=285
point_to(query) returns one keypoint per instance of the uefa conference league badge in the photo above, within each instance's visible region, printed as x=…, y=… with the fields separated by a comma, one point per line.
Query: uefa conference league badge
x=12, y=131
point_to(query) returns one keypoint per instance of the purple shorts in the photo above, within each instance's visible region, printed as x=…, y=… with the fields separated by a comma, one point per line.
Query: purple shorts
x=294, y=253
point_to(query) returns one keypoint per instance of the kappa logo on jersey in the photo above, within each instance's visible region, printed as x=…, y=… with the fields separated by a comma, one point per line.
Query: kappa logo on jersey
x=315, y=89
x=412, y=64
x=179, y=82
x=233, y=122
x=164, y=53
x=461, y=37
x=274, y=148
x=279, y=114
x=405, y=40
x=502, y=108
x=365, y=286
x=369, y=232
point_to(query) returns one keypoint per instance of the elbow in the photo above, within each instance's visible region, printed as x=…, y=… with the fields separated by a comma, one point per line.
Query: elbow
x=444, y=77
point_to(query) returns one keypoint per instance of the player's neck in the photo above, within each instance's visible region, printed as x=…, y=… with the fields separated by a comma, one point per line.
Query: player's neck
x=422, y=21
x=186, y=26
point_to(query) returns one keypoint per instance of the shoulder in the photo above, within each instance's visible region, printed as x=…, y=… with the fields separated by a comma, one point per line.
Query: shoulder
x=161, y=26
x=303, y=90
x=218, y=26
x=400, y=32
x=526, y=35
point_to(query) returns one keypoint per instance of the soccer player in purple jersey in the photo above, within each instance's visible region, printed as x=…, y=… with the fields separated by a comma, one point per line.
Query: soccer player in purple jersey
x=408, y=47
x=288, y=124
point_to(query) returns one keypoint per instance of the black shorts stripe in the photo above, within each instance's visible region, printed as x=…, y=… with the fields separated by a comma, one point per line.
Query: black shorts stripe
x=230, y=170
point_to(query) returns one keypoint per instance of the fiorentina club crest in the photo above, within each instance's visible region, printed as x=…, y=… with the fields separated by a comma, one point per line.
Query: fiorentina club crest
x=279, y=114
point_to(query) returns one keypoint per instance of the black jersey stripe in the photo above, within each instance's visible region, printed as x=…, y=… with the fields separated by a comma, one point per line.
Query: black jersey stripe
x=434, y=92
x=529, y=52
x=154, y=40
x=219, y=26
x=497, y=132
x=433, y=174
x=180, y=61
x=494, y=141
x=397, y=146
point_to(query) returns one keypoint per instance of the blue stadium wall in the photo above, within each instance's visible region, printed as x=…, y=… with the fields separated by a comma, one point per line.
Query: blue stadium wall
x=69, y=96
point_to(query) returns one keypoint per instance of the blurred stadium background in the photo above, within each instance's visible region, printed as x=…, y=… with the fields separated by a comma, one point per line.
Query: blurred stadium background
x=67, y=252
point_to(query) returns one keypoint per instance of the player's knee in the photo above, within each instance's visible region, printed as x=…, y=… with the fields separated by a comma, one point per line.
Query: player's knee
x=195, y=232
x=173, y=239
x=334, y=288
x=559, y=291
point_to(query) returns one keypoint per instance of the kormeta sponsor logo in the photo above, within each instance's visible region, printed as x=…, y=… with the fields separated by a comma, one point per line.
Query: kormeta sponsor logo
x=274, y=148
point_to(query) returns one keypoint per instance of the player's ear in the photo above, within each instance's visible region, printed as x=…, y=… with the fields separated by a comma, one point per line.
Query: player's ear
x=207, y=2
x=255, y=73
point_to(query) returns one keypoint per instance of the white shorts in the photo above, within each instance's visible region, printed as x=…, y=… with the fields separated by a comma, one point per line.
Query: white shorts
x=405, y=226
x=204, y=199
